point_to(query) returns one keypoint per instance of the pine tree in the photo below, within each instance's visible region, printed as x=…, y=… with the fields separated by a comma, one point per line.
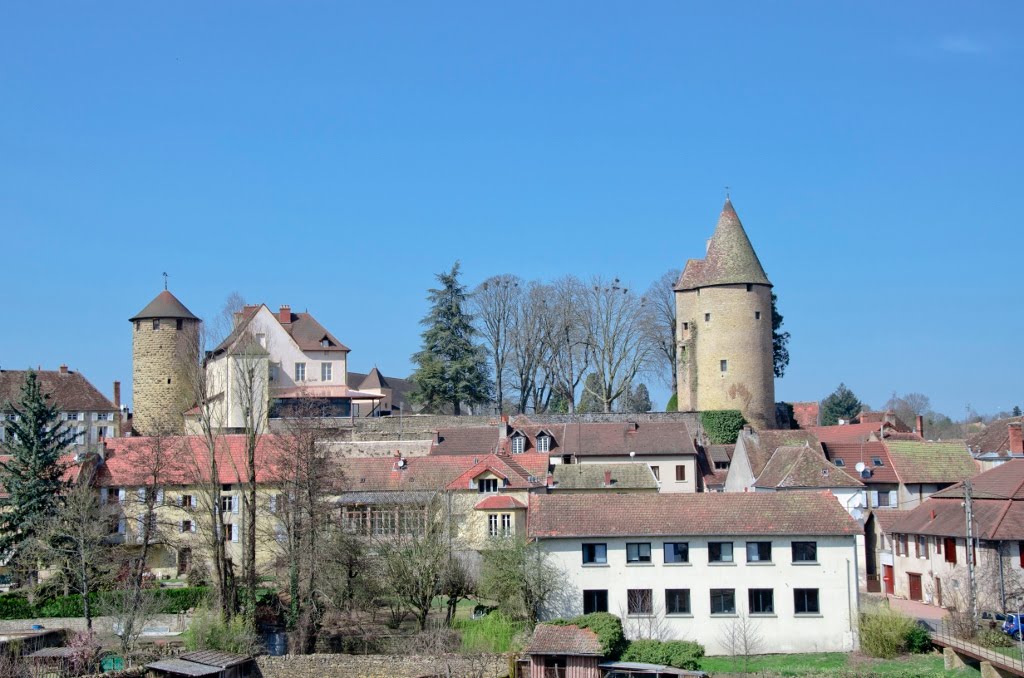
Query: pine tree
x=590, y=403
x=840, y=404
x=638, y=399
x=451, y=369
x=780, y=341
x=1016, y=410
x=33, y=475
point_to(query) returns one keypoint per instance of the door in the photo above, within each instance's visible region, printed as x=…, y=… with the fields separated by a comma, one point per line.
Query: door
x=915, y=586
x=184, y=561
x=889, y=580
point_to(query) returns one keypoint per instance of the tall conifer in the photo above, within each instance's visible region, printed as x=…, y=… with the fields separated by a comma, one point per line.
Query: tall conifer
x=33, y=474
x=451, y=369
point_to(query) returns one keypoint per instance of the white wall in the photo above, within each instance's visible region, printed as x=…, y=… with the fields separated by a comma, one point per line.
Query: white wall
x=835, y=577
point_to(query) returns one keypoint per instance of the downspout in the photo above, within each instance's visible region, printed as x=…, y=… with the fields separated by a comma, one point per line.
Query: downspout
x=1002, y=582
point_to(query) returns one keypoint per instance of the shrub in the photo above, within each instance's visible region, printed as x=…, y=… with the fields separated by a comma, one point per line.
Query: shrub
x=884, y=632
x=15, y=607
x=608, y=628
x=994, y=638
x=172, y=601
x=210, y=631
x=918, y=640
x=722, y=426
x=682, y=654
x=673, y=404
x=494, y=632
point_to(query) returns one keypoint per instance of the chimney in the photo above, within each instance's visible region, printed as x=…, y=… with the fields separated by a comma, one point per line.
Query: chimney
x=607, y=478
x=117, y=395
x=631, y=426
x=503, y=427
x=63, y=368
x=747, y=429
x=550, y=482
x=285, y=314
x=1016, y=438
x=920, y=425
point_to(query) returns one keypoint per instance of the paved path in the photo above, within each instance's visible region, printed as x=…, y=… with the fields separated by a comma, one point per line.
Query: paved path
x=929, y=613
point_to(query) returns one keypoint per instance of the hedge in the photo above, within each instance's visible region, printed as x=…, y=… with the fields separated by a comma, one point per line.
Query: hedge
x=16, y=606
x=682, y=654
x=722, y=426
x=606, y=626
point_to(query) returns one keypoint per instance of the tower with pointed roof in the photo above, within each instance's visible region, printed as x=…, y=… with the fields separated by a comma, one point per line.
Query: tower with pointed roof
x=165, y=344
x=724, y=316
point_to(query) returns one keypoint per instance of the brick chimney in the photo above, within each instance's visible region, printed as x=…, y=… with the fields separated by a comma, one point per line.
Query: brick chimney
x=285, y=314
x=607, y=478
x=117, y=395
x=550, y=482
x=63, y=368
x=1016, y=437
x=920, y=425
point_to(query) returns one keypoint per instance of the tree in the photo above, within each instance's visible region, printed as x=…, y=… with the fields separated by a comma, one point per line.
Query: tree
x=566, y=339
x=780, y=341
x=637, y=400
x=741, y=638
x=619, y=348
x=450, y=370
x=1016, y=411
x=908, y=406
x=661, y=323
x=519, y=575
x=33, y=476
x=495, y=303
x=840, y=404
x=589, y=402
x=530, y=355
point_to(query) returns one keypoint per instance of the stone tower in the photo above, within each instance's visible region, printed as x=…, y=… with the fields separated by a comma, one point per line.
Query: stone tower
x=724, y=311
x=165, y=345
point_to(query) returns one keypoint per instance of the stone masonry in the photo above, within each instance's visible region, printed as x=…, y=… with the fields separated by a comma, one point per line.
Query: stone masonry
x=159, y=373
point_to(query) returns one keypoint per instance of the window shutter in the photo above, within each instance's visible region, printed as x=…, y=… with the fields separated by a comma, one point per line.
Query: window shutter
x=192, y=526
x=122, y=495
x=181, y=500
x=273, y=503
x=140, y=525
x=874, y=498
x=160, y=496
x=120, y=526
x=892, y=498
x=234, y=533
x=104, y=495
x=181, y=526
x=193, y=501
x=142, y=494
x=235, y=503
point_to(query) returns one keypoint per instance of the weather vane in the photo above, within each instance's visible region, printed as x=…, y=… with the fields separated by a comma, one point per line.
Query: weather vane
x=726, y=192
x=165, y=280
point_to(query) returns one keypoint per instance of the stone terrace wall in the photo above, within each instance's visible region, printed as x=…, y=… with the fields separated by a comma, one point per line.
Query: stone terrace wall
x=174, y=623
x=422, y=426
x=380, y=666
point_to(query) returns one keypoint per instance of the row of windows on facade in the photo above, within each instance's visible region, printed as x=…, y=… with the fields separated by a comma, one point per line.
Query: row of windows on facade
x=940, y=546
x=718, y=552
x=119, y=526
x=722, y=601
x=707, y=319
x=326, y=372
x=159, y=324
x=229, y=503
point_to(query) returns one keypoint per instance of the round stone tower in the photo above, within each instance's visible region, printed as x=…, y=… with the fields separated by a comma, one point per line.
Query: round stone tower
x=724, y=311
x=165, y=346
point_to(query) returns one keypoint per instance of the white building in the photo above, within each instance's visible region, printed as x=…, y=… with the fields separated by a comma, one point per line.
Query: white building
x=699, y=566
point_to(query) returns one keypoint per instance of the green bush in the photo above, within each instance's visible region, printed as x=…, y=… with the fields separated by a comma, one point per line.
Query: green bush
x=682, y=654
x=608, y=628
x=209, y=631
x=918, y=640
x=884, y=632
x=493, y=633
x=722, y=426
x=13, y=606
x=173, y=601
x=994, y=638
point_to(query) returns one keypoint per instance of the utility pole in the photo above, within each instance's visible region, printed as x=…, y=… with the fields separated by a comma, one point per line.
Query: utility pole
x=972, y=598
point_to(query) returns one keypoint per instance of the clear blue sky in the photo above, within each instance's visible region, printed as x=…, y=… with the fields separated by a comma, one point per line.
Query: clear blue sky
x=335, y=156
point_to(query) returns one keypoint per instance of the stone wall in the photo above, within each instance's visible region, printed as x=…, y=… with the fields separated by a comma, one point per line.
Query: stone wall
x=174, y=623
x=381, y=666
x=159, y=380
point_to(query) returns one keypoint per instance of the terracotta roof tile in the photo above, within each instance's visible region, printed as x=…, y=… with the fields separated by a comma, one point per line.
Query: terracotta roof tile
x=498, y=502
x=995, y=437
x=627, y=476
x=568, y=640
x=761, y=445
x=608, y=514
x=164, y=305
x=70, y=390
x=730, y=257
x=803, y=467
x=886, y=518
x=867, y=452
x=847, y=433
x=931, y=462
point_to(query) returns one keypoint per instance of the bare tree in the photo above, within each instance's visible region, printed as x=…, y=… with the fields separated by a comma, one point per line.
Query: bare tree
x=494, y=304
x=529, y=350
x=660, y=323
x=618, y=345
x=741, y=637
x=566, y=338
x=649, y=622
x=521, y=576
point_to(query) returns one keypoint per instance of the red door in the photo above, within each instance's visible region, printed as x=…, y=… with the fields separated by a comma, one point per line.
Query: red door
x=889, y=579
x=915, y=586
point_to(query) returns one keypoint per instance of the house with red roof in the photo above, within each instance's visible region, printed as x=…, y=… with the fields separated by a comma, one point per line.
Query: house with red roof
x=931, y=547
x=691, y=563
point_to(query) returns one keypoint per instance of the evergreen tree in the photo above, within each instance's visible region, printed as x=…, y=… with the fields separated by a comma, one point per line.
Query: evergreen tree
x=590, y=403
x=33, y=475
x=780, y=341
x=840, y=404
x=673, y=404
x=1016, y=410
x=451, y=369
x=638, y=399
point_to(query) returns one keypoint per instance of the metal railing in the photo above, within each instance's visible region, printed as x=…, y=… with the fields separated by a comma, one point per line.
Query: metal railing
x=942, y=636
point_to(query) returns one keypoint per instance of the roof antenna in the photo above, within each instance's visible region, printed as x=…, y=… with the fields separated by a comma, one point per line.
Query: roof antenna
x=165, y=280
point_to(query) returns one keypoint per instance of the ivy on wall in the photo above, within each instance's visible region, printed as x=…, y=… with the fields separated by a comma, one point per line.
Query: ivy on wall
x=722, y=426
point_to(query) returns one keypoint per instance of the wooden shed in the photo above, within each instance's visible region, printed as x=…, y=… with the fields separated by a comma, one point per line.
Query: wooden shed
x=205, y=663
x=564, y=652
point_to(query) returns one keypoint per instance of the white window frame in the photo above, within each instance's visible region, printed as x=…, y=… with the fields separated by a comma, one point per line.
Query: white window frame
x=544, y=443
x=300, y=368
x=326, y=371
x=518, y=444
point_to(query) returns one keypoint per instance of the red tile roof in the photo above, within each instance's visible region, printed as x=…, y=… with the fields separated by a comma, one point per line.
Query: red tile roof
x=633, y=515
x=761, y=445
x=931, y=462
x=568, y=640
x=853, y=452
x=847, y=433
x=803, y=467
x=498, y=502
x=995, y=437
x=71, y=391
x=886, y=518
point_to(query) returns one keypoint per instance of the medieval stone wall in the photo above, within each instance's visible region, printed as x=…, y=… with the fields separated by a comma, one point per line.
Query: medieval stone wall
x=159, y=374
x=381, y=666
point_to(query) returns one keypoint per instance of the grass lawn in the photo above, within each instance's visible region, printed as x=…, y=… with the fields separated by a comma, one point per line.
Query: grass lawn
x=835, y=664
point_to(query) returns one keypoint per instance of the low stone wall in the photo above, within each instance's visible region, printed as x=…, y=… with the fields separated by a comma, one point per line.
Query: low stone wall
x=381, y=666
x=174, y=623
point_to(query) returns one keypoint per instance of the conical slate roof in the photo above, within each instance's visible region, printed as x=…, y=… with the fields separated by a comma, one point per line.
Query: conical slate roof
x=165, y=305
x=730, y=259
x=375, y=380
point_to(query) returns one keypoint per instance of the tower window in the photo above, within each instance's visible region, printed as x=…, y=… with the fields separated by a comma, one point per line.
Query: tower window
x=179, y=323
x=138, y=324
x=757, y=315
x=707, y=317
x=686, y=326
x=750, y=287
x=168, y=380
x=724, y=365
x=156, y=323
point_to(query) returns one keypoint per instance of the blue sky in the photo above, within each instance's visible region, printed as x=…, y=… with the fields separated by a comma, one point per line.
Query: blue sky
x=334, y=156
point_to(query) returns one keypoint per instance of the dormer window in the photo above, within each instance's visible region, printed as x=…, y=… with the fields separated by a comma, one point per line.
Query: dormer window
x=518, y=444
x=877, y=461
x=544, y=443
x=325, y=343
x=487, y=485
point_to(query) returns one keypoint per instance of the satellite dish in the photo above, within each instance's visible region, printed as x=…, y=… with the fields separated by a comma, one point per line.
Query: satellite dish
x=860, y=467
x=857, y=502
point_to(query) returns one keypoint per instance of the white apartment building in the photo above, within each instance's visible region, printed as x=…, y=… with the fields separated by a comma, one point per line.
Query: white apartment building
x=699, y=566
